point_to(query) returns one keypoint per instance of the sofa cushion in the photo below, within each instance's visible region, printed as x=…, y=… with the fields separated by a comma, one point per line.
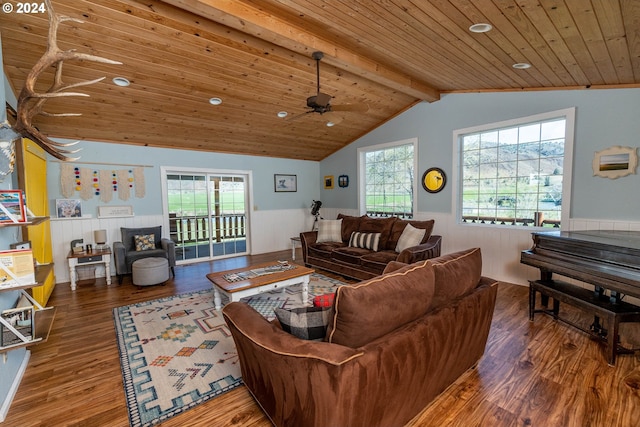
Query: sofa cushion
x=410, y=237
x=373, y=308
x=377, y=261
x=329, y=230
x=128, y=239
x=378, y=225
x=323, y=250
x=307, y=323
x=349, y=254
x=456, y=274
x=144, y=242
x=400, y=224
x=365, y=240
x=133, y=256
x=349, y=225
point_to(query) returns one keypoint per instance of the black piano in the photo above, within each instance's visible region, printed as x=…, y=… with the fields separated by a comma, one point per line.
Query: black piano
x=607, y=259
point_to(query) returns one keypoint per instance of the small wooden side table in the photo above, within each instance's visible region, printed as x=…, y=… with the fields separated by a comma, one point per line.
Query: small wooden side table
x=88, y=258
x=295, y=241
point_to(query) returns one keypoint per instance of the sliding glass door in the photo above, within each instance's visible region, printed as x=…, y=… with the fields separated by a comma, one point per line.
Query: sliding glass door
x=207, y=214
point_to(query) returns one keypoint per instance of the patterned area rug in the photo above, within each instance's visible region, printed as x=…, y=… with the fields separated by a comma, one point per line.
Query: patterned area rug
x=177, y=352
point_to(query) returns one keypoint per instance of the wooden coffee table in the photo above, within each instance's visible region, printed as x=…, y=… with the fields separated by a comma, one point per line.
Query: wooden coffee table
x=259, y=283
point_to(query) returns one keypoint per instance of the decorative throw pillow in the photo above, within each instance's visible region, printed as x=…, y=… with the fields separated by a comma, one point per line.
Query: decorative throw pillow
x=307, y=323
x=144, y=242
x=329, y=230
x=365, y=240
x=410, y=237
x=325, y=300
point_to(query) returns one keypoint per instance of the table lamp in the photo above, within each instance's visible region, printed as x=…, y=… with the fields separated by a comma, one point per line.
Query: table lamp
x=100, y=237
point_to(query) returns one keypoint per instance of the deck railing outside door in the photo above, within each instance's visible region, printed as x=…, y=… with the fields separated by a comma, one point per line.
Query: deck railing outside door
x=197, y=229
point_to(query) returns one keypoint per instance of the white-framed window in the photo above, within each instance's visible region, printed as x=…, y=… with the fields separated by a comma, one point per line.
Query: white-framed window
x=516, y=172
x=387, y=184
x=206, y=212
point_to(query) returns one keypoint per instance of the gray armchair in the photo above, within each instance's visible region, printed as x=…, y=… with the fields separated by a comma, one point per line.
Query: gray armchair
x=125, y=252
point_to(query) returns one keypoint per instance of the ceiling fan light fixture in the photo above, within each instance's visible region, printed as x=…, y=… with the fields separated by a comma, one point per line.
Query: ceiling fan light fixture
x=480, y=28
x=282, y=114
x=121, y=81
x=215, y=101
x=521, y=66
x=330, y=124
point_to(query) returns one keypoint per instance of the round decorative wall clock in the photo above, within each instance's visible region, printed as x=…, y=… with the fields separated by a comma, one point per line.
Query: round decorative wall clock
x=434, y=180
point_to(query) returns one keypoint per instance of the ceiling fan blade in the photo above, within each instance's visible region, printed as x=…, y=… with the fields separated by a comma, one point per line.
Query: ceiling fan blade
x=297, y=116
x=363, y=108
x=333, y=118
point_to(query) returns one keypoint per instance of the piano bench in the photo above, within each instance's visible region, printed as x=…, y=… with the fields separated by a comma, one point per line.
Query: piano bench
x=586, y=300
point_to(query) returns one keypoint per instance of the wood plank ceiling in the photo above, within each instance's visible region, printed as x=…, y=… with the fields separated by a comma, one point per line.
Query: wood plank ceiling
x=256, y=56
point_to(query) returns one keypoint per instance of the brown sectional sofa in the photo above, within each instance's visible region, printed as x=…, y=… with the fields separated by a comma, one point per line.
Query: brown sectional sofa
x=360, y=263
x=393, y=344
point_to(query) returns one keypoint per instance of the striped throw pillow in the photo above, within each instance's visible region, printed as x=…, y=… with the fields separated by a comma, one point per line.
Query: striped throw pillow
x=365, y=240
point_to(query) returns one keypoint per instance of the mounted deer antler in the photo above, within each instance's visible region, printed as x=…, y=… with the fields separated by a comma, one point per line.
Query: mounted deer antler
x=30, y=102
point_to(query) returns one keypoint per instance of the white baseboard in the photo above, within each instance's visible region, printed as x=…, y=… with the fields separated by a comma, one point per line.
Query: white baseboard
x=4, y=409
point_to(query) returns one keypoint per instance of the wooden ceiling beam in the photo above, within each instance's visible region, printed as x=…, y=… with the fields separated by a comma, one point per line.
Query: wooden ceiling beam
x=266, y=26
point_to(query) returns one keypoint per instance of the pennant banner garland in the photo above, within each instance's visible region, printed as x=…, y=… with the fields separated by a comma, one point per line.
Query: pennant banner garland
x=102, y=183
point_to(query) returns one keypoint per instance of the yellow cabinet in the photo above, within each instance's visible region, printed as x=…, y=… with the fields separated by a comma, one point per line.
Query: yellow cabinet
x=32, y=178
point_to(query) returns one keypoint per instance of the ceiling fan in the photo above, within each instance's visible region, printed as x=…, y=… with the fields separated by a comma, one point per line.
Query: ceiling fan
x=321, y=102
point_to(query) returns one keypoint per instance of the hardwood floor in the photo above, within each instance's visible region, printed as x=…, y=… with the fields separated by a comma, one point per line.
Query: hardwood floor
x=541, y=373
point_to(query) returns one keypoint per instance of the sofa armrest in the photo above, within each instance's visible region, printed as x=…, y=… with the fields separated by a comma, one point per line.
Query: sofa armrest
x=393, y=266
x=169, y=247
x=253, y=334
x=307, y=238
x=430, y=249
x=119, y=254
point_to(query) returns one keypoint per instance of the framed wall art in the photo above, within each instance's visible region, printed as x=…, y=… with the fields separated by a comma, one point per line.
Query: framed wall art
x=343, y=181
x=615, y=162
x=285, y=183
x=328, y=182
x=115, y=211
x=69, y=208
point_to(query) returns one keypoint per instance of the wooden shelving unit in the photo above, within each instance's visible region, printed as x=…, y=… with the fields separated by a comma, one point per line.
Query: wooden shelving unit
x=41, y=318
x=38, y=330
x=35, y=220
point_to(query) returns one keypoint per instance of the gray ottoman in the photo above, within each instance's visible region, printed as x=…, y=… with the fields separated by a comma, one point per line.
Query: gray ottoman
x=150, y=271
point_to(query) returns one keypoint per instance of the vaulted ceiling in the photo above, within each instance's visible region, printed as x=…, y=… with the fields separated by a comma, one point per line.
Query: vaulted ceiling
x=256, y=56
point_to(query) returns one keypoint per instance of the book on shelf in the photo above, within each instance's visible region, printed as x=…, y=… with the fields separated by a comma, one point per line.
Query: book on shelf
x=21, y=320
x=16, y=268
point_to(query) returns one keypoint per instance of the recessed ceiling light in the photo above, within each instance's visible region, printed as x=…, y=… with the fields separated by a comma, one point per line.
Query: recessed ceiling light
x=282, y=114
x=480, y=28
x=121, y=81
x=521, y=66
x=215, y=101
x=330, y=124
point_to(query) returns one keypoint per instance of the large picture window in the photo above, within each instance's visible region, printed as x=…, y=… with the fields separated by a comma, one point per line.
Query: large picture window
x=516, y=173
x=387, y=177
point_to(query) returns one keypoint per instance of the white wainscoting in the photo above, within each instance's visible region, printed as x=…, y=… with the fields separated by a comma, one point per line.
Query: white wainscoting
x=270, y=231
x=63, y=231
x=501, y=246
